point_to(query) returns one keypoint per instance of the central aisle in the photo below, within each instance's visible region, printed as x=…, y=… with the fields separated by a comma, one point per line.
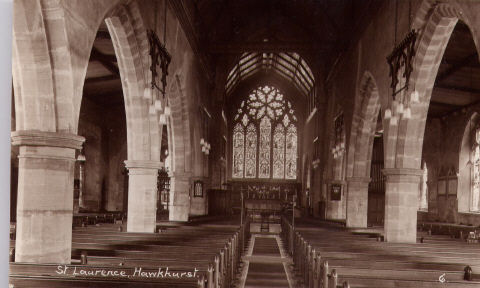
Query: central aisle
x=265, y=263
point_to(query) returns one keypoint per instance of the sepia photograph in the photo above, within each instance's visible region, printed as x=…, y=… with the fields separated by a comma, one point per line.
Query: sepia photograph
x=240, y=143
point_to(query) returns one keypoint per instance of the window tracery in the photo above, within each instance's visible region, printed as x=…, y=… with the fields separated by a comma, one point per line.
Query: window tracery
x=264, y=149
x=251, y=151
x=265, y=123
x=291, y=163
x=238, y=150
x=279, y=152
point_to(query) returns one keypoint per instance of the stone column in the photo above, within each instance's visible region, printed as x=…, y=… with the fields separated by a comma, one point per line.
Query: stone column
x=179, y=206
x=142, y=195
x=357, y=201
x=401, y=203
x=45, y=195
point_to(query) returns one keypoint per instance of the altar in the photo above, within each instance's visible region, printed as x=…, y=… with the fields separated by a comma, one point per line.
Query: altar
x=264, y=202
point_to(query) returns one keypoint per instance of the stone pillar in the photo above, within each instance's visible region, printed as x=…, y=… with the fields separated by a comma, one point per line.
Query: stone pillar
x=401, y=203
x=179, y=206
x=357, y=201
x=142, y=195
x=45, y=195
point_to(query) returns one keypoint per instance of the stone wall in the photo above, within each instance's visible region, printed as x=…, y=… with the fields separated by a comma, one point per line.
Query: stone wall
x=446, y=147
x=105, y=150
x=116, y=188
x=90, y=127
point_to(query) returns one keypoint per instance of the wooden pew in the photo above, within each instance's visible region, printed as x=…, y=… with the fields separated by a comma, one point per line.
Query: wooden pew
x=22, y=281
x=84, y=219
x=449, y=229
x=216, y=253
x=312, y=250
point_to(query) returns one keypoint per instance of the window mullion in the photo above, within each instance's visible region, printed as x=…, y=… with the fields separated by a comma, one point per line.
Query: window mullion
x=257, y=174
x=285, y=153
x=271, y=149
x=244, y=152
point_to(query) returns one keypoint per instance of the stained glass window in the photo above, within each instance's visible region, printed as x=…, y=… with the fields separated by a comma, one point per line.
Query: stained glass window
x=251, y=152
x=238, y=150
x=264, y=149
x=265, y=124
x=291, y=153
x=279, y=152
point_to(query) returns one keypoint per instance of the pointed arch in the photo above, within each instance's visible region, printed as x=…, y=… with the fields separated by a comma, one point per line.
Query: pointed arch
x=435, y=34
x=363, y=128
x=180, y=127
x=53, y=54
x=131, y=48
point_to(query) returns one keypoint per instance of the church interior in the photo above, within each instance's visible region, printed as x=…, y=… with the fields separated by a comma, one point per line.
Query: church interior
x=222, y=143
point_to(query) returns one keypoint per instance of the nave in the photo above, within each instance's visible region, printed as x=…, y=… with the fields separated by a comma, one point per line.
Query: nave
x=225, y=254
x=182, y=133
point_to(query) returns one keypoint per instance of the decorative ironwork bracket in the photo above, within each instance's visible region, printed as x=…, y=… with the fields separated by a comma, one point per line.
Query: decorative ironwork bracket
x=160, y=57
x=402, y=56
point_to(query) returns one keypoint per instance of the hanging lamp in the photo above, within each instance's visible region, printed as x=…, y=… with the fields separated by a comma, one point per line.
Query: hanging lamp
x=162, y=119
x=401, y=57
x=159, y=56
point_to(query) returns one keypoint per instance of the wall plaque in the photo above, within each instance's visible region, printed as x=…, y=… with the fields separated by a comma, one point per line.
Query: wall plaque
x=336, y=192
x=452, y=186
x=442, y=187
x=198, y=189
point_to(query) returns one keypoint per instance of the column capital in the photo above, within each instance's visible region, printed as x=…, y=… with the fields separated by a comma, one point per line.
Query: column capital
x=49, y=139
x=358, y=179
x=181, y=175
x=143, y=164
x=402, y=175
x=333, y=181
x=402, y=172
